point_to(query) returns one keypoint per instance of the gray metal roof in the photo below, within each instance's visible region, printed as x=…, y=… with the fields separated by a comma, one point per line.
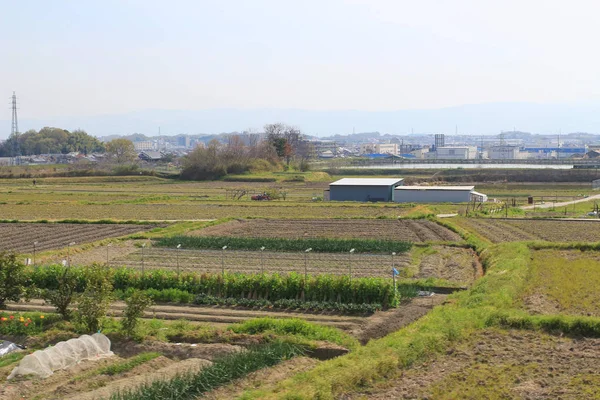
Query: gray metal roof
x=367, y=182
x=435, y=188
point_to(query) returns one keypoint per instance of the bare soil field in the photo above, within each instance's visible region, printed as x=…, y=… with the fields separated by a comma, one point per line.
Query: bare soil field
x=19, y=237
x=503, y=365
x=402, y=230
x=512, y=230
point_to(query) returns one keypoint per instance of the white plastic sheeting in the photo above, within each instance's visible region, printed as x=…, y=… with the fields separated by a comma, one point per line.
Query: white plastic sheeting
x=63, y=355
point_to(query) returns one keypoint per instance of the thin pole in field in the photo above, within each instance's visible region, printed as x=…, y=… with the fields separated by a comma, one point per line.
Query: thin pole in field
x=69, y=253
x=34, y=244
x=306, y=263
x=143, y=245
x=262, y=263
x=223, y=260
x=107, y=247
x=350, y=263
x=177, y=256
x=393, y=271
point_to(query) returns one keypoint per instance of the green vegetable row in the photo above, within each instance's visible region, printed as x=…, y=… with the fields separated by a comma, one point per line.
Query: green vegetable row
x=271, y=287
x=323, y=245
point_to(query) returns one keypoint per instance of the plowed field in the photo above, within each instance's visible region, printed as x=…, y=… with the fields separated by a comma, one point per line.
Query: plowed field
x=404, y=229
x=512, y=230
x=20, y=237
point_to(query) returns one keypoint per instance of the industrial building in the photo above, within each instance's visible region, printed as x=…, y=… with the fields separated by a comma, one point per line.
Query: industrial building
x=437, y=194
x=454, y=153
x=505, y=152
x=363, y=189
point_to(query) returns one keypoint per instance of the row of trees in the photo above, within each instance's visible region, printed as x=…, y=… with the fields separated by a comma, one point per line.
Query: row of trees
x=281, y=144
x=50, y=141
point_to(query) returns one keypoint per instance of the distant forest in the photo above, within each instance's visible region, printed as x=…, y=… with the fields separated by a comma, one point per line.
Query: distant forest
x=50, y=141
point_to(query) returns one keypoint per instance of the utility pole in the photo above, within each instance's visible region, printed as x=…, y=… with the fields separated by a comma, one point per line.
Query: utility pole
x=14, y=130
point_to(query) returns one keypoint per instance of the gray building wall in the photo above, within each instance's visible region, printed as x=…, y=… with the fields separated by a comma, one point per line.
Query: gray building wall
x=360, y=193
x=432, y=196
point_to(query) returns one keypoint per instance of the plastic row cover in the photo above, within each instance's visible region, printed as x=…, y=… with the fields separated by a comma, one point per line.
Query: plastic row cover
x=63, y=355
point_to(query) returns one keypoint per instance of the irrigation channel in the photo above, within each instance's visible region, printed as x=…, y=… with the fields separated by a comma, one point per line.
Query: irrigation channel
x=217, y=261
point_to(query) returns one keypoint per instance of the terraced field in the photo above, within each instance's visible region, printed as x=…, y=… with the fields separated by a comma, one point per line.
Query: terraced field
x=19, y=237
x=513, y=230
x=416, y=231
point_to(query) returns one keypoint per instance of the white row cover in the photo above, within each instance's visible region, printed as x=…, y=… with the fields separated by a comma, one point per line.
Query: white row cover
x=63, y=355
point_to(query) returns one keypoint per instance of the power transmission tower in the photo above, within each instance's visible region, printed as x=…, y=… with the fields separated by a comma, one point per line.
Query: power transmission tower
x=14, y=130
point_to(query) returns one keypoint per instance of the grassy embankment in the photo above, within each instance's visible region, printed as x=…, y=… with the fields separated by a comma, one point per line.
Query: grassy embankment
x=494, y=300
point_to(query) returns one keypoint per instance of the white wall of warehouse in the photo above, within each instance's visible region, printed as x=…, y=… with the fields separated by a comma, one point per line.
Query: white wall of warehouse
x=432, y=196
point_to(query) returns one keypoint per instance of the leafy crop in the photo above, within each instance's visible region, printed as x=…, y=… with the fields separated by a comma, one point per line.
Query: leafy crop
x=271, y=287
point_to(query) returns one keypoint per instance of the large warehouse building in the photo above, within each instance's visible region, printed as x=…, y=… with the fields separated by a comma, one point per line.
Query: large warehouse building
x=363, y=189
x=437, y=194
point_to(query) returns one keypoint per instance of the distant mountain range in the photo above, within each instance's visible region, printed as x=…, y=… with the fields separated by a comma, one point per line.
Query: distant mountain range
x=479, y=119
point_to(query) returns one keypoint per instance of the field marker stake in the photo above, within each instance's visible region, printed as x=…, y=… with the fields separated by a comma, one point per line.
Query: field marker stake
x=34, y=244
x=223, y=261
x=177, y=256
x=305, y=264
x=350, y=263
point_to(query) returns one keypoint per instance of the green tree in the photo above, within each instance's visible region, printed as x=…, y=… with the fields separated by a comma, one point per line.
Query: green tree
x=136, y=304
x=12, y=278
x=65, y=294
x=122, y=151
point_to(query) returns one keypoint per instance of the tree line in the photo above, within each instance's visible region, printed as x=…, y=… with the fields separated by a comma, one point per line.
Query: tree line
x=281, y=147
x=50, y=141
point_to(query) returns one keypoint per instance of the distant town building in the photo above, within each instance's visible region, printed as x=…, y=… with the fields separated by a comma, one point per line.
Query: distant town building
x=383, y=148
x=439, y=140
x=454, y=153
x=505, y=152
x=144, y=145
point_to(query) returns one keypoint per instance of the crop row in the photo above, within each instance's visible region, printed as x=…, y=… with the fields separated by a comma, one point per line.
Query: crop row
x=280, y=244
x=271, y=287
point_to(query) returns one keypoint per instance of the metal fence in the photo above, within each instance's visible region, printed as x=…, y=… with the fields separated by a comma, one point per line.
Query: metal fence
x=218, y=261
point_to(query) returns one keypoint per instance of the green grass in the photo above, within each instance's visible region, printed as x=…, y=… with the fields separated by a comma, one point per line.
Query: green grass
x=381, y=359
x=295, y=327
x=128, y=364
x=224, y=370
x=568, y=279
x=280, y=244
x=12, y=358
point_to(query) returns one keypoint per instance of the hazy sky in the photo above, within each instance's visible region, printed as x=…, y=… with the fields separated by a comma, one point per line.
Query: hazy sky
x=79, y=58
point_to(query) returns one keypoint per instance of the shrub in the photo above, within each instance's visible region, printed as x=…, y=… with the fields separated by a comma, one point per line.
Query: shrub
x=12, y=279
x=95, y=300
x=136, y=304
x=64, y=293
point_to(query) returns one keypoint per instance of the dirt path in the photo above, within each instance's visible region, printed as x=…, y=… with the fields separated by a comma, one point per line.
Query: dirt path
x=562, y=204
x=383, y=323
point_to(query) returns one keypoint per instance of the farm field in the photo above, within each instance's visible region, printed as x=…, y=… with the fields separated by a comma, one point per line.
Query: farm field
x=415, y=231
x=454, y=264
x=499, y=230
x=563, y=282
x=497, y=364
x=19, y=237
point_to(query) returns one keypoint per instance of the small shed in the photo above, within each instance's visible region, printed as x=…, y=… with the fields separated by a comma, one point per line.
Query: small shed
x=364, y=189
x=437, y=194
